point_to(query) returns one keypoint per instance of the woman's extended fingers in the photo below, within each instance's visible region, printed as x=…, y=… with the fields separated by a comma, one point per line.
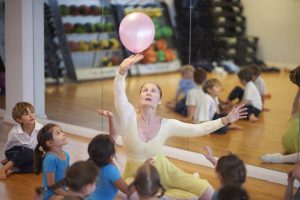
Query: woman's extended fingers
x=136, y=58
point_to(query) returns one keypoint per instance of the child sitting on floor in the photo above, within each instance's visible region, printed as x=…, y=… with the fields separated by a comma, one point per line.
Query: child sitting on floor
x=21, y=141
x=249, y=95
x=230, y=169
x=185, y=84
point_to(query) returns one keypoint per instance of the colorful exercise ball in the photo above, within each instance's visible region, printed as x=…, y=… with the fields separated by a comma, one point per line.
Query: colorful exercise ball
x=136, y=32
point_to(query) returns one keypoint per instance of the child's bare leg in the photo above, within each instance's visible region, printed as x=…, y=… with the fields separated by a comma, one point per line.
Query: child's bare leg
x=4, y=171
x=252, y=118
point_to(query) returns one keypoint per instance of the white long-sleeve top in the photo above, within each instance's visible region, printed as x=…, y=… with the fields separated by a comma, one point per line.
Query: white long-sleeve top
x=17, y=137
x=135, y=148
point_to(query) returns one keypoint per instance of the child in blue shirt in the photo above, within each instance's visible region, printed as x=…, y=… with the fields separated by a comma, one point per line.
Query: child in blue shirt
x=186, y=83
x=101, y=151
x=50, y=158
x=80, y=183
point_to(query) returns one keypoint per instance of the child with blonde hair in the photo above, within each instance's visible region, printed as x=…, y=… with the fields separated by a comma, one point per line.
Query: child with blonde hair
x=210, y=109
x=186, y=83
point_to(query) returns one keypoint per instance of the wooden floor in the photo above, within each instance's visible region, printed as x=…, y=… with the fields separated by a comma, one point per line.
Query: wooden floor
x=21, y=187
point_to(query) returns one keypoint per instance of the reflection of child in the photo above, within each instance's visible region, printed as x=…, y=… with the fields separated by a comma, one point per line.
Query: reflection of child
x=195, y=97
x=249, y=95
x=259, y=83
x=185, y=84
x=211, y=106
x=21, y=141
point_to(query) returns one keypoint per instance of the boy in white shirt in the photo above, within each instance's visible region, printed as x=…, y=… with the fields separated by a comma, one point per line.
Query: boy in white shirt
x=260, y=84
x=251, y=96
x=195, y=97
x=22, y=139
x=211, y=106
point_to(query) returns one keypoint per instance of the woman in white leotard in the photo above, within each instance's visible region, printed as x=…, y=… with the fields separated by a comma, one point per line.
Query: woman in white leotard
x=144, y=134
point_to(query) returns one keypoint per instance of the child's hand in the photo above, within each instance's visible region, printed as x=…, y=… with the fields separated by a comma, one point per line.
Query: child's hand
x=209, y=153
x=149, y=161
x=105, y=113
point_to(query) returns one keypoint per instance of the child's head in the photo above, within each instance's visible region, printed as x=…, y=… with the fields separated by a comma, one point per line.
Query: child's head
x=295, y=76
x=187, y=71
x=146, y=183
x=48, y=137
x=199, y=76
x=245, y=75
x=80, y=177
x=231, y=192
x=256, y=71
x=231, y=170
x=212, y=87
x=101, y=150
x=23, y=113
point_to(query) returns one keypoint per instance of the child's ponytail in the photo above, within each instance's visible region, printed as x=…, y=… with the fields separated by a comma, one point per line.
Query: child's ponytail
x=44, y=135
x=38, y=157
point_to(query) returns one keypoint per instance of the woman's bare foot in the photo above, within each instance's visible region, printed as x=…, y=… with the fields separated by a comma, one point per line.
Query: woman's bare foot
x=3, y=175
x=235, y=127
x=252, y=118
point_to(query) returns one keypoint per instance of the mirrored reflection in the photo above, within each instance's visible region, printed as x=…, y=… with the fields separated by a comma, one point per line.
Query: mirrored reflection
x=206, y=36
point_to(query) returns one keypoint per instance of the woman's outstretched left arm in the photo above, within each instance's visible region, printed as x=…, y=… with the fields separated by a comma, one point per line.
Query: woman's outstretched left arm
x=181, y=129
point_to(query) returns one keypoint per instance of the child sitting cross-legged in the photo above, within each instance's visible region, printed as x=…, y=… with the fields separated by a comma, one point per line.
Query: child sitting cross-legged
x=21, y=141
x=210, y=109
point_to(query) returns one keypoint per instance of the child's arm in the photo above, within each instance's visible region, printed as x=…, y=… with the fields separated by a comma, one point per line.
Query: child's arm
x=191, y=113
x=289, y=188
x=244, y=101
x=121, y=185
x=51, y=181
x=209, y=155
x=111, y=122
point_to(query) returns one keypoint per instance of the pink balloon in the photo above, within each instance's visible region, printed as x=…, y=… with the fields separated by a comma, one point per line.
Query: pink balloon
x=136, y=32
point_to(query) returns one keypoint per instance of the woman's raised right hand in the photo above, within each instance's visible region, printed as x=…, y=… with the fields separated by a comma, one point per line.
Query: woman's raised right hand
x=128, y=62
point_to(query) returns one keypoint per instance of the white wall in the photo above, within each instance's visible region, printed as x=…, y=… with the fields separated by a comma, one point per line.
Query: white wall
x=277, y=24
